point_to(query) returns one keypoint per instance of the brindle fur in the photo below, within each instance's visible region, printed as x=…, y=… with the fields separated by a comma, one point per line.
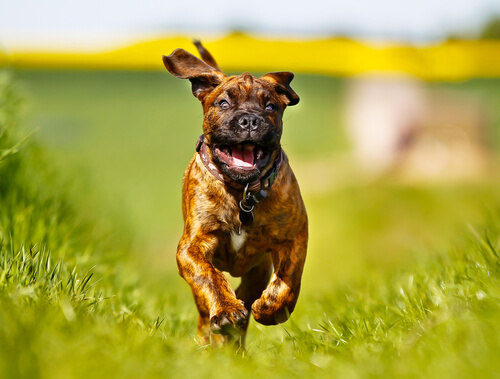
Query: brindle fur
x=271, y=259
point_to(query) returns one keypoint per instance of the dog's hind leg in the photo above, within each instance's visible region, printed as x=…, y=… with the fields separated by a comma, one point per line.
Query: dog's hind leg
x=253, y=283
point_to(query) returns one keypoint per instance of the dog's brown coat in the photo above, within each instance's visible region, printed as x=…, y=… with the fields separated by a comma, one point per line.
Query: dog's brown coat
x=278, y=236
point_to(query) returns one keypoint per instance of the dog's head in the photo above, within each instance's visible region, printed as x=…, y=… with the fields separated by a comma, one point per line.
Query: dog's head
x=243, y=114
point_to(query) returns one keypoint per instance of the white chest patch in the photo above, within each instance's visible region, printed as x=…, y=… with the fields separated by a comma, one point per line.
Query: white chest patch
x=238, y=240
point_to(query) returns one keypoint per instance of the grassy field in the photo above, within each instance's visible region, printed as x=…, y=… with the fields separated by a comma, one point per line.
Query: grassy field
x=401, y=280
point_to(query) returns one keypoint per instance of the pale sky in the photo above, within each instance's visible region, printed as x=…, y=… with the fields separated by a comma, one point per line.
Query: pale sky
x=99, y=23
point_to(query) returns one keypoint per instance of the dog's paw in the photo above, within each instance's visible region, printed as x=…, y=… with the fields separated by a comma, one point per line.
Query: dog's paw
x=269, y=312
x=276, y=303
x=229, y=319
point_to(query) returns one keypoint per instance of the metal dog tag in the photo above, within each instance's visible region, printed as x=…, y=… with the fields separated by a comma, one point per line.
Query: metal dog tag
x=246, y=218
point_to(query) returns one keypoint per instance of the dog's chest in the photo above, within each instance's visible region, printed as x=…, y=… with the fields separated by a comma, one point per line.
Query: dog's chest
x=238, y=254
x=238, y=240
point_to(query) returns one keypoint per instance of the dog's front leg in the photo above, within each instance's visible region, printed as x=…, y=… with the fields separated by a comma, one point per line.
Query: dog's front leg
x=278, y=300
x=214, y=296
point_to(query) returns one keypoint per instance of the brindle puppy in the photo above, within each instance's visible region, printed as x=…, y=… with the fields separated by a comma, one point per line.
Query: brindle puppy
x=243, y=212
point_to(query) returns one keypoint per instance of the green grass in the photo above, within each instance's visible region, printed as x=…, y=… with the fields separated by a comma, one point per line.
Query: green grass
x=400, y=280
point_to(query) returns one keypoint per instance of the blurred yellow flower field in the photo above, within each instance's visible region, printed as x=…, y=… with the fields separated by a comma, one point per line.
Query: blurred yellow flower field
x=448, y=60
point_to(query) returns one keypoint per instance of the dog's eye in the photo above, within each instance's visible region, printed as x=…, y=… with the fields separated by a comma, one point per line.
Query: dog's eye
x=270, y=107
x=223, y=104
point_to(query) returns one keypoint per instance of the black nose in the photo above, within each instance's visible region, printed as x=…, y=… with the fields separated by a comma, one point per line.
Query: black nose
x=250, y=122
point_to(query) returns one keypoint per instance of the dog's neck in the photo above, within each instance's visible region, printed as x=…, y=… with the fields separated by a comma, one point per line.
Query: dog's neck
x=261, y=184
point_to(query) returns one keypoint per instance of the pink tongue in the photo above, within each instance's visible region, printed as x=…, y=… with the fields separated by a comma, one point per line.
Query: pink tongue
x=243, y=156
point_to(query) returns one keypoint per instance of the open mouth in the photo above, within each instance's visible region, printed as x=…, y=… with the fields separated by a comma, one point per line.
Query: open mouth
x=246, y=156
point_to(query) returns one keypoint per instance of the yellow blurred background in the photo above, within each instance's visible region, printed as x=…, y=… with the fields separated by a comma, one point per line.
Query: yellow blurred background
x=442, y=60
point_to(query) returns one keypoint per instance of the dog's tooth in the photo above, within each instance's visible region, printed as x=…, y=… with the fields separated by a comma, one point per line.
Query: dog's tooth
x=258, y=153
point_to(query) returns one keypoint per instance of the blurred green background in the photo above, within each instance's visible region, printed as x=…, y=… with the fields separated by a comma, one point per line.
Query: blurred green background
x=123, y=139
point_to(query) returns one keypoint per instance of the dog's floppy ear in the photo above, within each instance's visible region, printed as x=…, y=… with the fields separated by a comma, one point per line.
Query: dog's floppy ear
x=203, y=77
x=205, y=55
x=281, y=82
